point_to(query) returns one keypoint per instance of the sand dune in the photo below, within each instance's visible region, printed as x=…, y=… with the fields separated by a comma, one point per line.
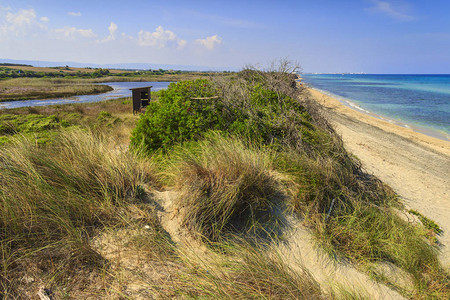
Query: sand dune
x=416, y=166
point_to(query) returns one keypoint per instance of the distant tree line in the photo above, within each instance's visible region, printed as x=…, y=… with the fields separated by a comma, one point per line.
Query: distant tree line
x=6, y=72
x=14, y=65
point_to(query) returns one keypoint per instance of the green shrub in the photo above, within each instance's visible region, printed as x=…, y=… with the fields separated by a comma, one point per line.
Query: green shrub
x=177, y=116
x=188, y=109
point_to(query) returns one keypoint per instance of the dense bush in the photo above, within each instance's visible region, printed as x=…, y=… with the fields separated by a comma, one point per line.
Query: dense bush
x=188, y=109
x=179, y=115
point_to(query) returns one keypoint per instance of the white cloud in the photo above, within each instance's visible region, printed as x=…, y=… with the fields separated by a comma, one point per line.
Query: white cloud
x=395, y=11
x=21, y=23
x=72, y=33
x=112, y=33
x=112, y=30
x=21, y=19
x=181, y=44
x=210, y=42
x=25, y=23
x=160, y=38
x=74, y=14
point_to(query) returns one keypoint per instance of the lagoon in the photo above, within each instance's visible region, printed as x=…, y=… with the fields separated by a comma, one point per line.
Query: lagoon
x=120, y=90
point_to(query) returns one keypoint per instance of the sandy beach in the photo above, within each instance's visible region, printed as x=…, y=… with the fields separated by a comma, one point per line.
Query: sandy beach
x=415, y=165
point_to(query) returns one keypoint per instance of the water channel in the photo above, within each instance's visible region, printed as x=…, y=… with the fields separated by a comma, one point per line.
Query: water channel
x=120, y=90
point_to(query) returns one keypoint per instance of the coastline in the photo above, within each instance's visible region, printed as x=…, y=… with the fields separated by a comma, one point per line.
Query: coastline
x=435, y=133
x=334, y=103
x=415, y=165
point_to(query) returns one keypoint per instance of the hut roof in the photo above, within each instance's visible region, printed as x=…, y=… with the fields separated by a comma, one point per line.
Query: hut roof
x=139, y=88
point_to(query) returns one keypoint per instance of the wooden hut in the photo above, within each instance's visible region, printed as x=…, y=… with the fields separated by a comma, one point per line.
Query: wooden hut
x=141, y=98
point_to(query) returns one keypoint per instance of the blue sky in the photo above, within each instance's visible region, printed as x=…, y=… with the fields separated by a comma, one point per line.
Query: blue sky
x=372, y=36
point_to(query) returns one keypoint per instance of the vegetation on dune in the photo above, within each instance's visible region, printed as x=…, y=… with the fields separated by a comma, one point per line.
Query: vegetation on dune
x=176, y=117
x=57, y=199
x=246, y=272
x=241, y=153
x=225, y=187
x=187, y=110
x=352, y=213
x=54, y=198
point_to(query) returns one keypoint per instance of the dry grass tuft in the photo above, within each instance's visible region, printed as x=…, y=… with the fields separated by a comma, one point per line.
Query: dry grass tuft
x=244, y=272
x=225, y=186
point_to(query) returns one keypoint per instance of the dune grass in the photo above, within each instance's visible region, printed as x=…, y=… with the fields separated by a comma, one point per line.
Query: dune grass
x=245, y=272
x=54, y=198
x=228, y=188
x=225, y=186
x=353, y=214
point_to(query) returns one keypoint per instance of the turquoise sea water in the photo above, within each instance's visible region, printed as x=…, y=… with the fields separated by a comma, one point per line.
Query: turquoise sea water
x=418, y=101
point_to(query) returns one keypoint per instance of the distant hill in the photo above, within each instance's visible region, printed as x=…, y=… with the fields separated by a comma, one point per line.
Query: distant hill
x=125, y=66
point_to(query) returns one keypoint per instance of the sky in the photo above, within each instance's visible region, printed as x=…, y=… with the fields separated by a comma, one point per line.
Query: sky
x=371, y=36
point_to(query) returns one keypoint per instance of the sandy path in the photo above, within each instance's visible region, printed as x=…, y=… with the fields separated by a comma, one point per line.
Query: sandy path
x=300, y=252
x=416, y=166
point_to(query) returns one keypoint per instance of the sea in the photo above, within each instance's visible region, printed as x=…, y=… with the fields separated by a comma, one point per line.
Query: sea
x=419, y=102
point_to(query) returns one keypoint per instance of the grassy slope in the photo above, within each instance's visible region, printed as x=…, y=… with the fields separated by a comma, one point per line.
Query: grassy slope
x=69, y=187
x=44, y=123
x=60, y=197
x=352, y=214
